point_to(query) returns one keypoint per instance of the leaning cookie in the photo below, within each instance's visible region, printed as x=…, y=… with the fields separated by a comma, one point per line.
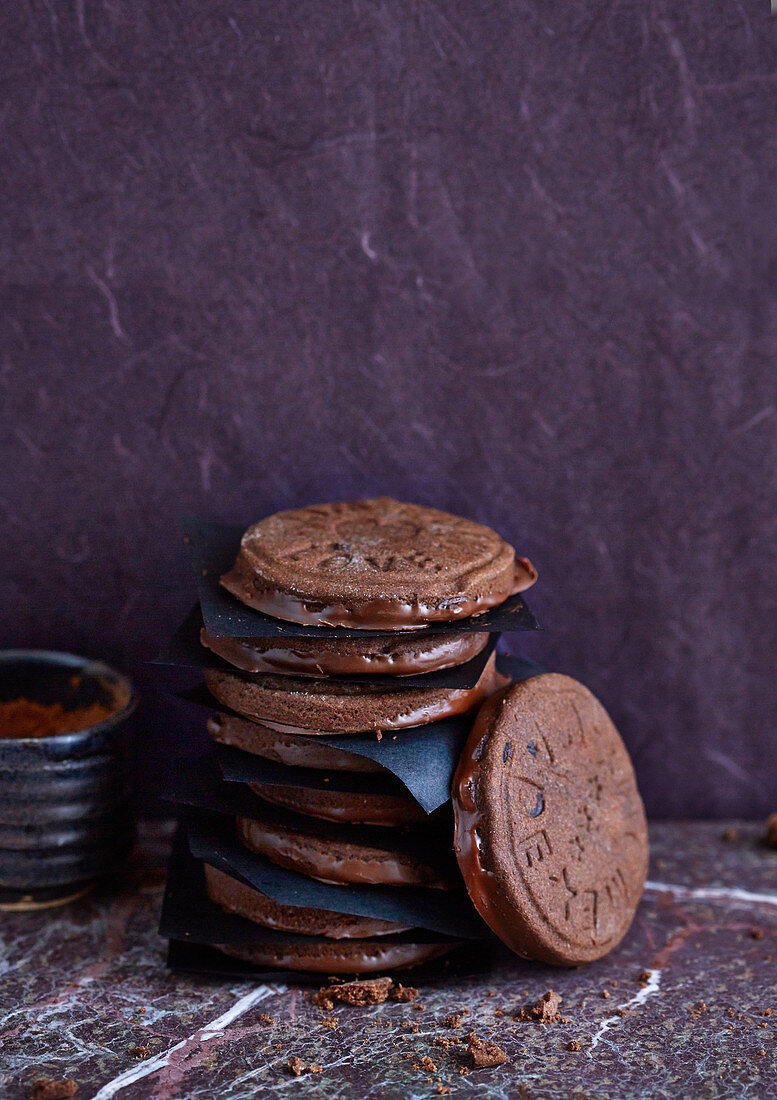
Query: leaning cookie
x=246, y=901
x=320, y=706
x=403, y=655
x=374, y=565
x=550, y=831
x=328, y=956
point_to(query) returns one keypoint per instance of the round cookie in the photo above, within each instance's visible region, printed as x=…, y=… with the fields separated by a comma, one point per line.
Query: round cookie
x=344, y=806
x=374, y=565
x=320, y=706
x=402, y=655
x=327, y=956
x=296, y=749
x=550, y=831
x=336, y=857
x=238, y=897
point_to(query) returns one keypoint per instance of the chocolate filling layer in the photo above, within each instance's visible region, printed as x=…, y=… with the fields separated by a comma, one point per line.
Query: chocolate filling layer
x=376, y=614
x=304, y=658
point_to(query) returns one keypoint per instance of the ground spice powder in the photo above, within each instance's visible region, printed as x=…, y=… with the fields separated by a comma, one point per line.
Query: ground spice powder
x=25, y=718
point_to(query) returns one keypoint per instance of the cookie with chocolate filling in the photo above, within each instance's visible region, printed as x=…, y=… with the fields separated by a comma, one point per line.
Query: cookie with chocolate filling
x=237, y=897
x=295, y=749
x=550, y=831
x=342, y=854
x=348, y=807
x=329, y=956
x=374, y=565
x=402, y=655
x=337, y=706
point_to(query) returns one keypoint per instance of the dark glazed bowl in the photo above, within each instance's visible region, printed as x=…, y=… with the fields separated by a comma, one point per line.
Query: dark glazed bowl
x=64, y=807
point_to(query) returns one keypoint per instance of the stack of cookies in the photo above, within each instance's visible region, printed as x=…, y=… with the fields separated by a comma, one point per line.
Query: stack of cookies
x=382, y=658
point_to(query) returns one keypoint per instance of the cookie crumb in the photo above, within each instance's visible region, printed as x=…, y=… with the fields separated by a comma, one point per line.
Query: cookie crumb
x=329, y=1021
x=644, y=977
x=573, y=1044
x=403, y=993
x=265, y=1019
x=756, y=933
x=729, y=835
x=296, y=1065
x=428, y=1064
x=45, y=1089
x=483, y=1053
x=443, y=1090
x=316, y=1069
x=771, y=831
x=455, y=1018
x=140, y=1052
x=370, y=991
x=606, y=994
x=543, y=1011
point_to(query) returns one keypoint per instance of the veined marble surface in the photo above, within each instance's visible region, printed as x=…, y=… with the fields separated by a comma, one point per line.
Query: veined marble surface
x=690, y=1011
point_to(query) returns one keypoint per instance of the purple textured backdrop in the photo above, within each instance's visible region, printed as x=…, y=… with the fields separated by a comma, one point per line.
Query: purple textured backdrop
x=515, y=261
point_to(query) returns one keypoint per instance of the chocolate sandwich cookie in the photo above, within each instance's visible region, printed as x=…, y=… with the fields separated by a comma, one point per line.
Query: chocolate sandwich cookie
x=328, y=956
x=298, y=750
x=237, y=897
x=406, y=655
x=374, y=565
x=317, y=706
x=344, y=806
x=338, y=855
x=550, y=831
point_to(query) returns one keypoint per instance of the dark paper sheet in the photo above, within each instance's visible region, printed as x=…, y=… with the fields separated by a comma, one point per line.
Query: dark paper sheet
x=214, y=547
x=213, y=839
x=423, y=758
x=198, y=784
x=186, y=651
x=238, y=766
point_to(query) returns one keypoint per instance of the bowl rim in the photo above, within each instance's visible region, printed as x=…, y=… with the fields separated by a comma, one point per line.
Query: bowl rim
x=87, y=666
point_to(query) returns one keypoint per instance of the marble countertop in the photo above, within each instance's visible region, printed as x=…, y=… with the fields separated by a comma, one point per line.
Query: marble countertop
x=685, y=1007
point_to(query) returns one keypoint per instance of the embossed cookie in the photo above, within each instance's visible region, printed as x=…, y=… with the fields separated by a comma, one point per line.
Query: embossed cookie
x=336, y=855
x=297, y=749
x=338, y=706
x=374, y=565
x=401, y=655
x=237, y=897
x=550, y=831
x=328, y=956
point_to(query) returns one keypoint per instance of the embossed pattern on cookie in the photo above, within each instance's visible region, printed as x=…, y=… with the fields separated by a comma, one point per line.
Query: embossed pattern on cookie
x=550, y=829
x=374, y=564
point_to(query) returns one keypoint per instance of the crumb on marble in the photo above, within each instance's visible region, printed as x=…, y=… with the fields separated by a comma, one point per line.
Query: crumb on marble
x=140, y=1052
x=403, y=994
x=573, y=1044
x=454, y=1019
x=369, y=991
x=544, y=1010
x=484, y=1054
x=298, y=1067
x=771, y=831
x=46, y=1089
x=729, y=835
